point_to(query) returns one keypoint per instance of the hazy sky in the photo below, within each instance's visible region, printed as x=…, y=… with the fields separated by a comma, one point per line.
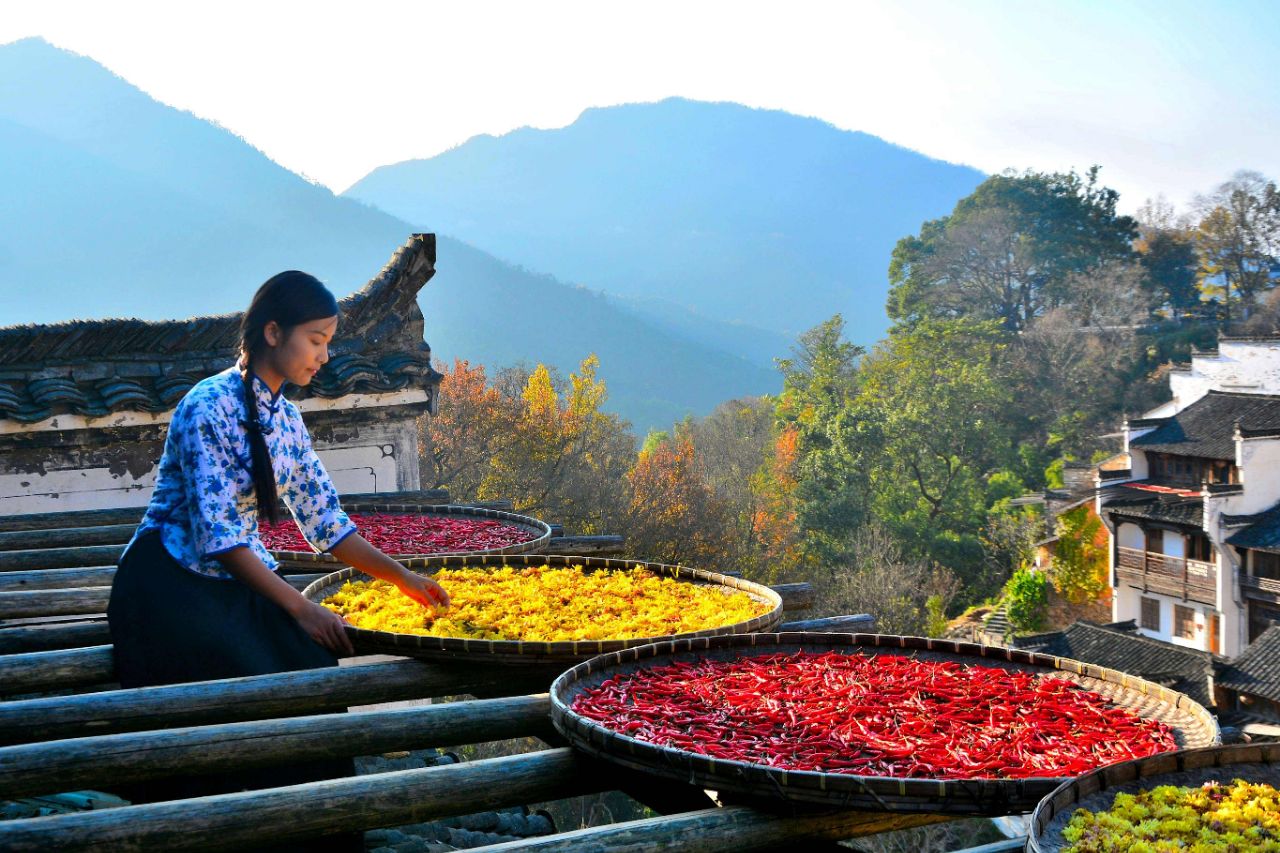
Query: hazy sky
x=1167, y=96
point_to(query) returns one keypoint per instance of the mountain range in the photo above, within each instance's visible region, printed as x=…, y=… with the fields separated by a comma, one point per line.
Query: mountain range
x=118, y=205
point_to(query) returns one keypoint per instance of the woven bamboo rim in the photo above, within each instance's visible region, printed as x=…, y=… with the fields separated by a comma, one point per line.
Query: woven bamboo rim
x=1191, y=768
x=539, y=531
x=519, y=651
x=1193, y=725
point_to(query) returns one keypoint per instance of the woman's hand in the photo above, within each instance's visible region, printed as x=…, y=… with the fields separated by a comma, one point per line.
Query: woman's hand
x=423, y=590
x=355, y=551
x=325, y=627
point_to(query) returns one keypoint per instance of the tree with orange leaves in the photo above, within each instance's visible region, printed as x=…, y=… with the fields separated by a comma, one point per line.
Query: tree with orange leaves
x=674, y=516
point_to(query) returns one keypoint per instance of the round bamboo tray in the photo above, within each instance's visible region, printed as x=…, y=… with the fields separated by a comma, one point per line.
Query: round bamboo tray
x=1193, y=725
x=539, y=532
x=516, y=651
x=1191, y=768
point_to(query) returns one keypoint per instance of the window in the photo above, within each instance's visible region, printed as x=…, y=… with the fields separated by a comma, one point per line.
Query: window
x=1198, y=548
x=1155, y=540
x=1151, y=614
x=1266, y=565
x=1184, y=622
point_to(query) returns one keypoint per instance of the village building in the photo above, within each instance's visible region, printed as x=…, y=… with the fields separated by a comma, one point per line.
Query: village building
x=84, y=405
x=1194, y=516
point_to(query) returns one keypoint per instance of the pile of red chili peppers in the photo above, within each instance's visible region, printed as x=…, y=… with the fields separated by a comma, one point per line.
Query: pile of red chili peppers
x=409, y=534
x=885, y=715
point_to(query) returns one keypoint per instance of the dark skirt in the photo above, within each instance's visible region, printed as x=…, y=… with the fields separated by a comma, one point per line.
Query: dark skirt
x=170, y=625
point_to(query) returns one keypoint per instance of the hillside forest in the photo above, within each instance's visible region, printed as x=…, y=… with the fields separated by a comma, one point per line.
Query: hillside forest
x=1026, y=324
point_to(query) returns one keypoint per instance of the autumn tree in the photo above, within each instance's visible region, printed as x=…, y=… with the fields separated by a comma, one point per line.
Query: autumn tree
x=1166, y=248
x=474, y=424
x=674, y=516
x=1238, y=237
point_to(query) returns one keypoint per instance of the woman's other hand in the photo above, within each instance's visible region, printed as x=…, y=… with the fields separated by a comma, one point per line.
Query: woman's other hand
x=423, y=590
x=325, y=627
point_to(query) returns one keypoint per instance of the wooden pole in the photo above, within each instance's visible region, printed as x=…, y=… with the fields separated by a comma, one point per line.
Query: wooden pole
x=36, y=671
x=57, y=578
x=54, y=602
x=67, y=537
x=586, y=546
x=27, y=670
x=101, y=762
x=74, y=518
x=278, y=815
x=737, y=828
x=860, y=623
x=65, y=635
x=60, y=558
x=795, y=596
x=257, y=697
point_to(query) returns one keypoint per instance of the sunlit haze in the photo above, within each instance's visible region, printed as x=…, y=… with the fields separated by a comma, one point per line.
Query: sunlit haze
x=1169, y=97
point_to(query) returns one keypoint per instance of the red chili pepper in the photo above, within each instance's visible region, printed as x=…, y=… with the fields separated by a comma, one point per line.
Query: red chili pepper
x=408, y=534
x=887, y=715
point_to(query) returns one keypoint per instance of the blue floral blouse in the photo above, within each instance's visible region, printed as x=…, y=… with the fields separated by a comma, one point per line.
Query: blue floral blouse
x=204, y=502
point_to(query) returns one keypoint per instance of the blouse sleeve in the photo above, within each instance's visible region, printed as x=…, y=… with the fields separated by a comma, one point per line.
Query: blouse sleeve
x=313, y=500
x=210, y=469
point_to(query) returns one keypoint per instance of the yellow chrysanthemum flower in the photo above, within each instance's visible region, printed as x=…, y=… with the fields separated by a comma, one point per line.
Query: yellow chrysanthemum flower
x=546, y=604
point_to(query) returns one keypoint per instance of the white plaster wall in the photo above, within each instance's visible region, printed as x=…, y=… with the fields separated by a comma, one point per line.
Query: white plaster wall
x=1127, y=604
x=1249, y=366
x=63, y=491
x=1259, y=461
x=383, y=459
x=1174, y=544
x=1131, y=536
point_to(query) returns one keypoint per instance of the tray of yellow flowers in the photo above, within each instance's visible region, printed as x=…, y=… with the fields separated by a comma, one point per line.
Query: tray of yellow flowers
x=1221, y=798
x=540, y=608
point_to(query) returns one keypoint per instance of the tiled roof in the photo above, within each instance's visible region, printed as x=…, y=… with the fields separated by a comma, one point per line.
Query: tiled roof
x=95, y=367
x=1206, y=428
x=1172, y=506
x=1262, y=534
x=1257, y=669
x=1186, y=670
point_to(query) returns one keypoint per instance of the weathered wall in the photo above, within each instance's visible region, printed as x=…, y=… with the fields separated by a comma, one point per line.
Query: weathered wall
x=364, y=450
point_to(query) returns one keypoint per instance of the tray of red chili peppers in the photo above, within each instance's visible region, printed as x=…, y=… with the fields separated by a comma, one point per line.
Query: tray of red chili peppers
x=406, y=531
x=868, y=721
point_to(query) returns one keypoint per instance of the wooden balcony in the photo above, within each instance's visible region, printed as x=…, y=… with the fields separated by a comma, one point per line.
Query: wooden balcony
x=1191, y=580
x=1261, y=589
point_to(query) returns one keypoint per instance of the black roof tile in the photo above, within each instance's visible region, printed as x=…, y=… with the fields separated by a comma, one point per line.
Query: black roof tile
x=1188, y=671
x=1263, y=534
x=95, y=367
x=1206, y=428
x=1169, y=508
x=1257, y=669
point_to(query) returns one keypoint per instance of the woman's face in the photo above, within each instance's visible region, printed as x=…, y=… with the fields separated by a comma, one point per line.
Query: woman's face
x=299, y=355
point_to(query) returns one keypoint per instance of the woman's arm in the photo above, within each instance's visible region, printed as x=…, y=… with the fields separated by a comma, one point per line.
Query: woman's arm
x=356, y=551
x=321, y=624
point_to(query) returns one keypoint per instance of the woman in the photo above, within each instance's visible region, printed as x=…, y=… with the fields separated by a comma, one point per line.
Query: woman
x=196, y=595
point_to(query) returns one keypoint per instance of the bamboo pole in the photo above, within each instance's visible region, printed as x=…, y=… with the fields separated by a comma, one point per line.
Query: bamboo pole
x=297, y=812
x=100, y=762
x=737, y=828
x=254, y=697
